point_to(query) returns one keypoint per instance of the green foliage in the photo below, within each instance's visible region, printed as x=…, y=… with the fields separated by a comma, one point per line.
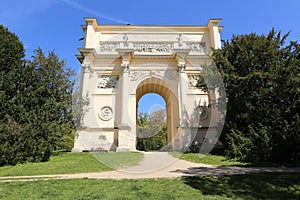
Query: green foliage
x=35, y=103
x=262, y=80
x=11, y=51
x=143, y=119
x=54, y=97
x=152, y=131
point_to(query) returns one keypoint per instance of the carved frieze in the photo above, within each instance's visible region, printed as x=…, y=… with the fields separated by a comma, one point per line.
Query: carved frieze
x=196, y=47
x=136, y=75
x=109, y=46
x=107, y=82
x=151, y=47
x=154, y=73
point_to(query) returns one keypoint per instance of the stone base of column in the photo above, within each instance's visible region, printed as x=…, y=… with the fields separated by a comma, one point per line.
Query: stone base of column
x=126, y=140
x=186, y=136
x=124, y=149
x=183, y=139
x=78, y=149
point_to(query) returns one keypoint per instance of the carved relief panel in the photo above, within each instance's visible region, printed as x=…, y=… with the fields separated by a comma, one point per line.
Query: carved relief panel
x=193, y=81
x=107, y=82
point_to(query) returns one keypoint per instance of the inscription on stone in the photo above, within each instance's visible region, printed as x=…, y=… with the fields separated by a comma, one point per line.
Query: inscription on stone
x=151, y=47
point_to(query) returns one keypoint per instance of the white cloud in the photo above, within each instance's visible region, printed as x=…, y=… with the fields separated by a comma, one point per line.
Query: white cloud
x=94, y=12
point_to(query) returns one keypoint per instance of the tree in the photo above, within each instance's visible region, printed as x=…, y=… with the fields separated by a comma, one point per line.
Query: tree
x=11, y=67
x=54, y=97
x=35, y=103
x=11, y=61
x=143, y=119
x=152, y=130
x=262, y=80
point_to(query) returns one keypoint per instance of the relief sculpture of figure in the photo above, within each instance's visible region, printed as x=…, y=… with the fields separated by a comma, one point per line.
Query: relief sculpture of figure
x=179, y=39
x=125, y=40
x=193, y=81
x=102, y=82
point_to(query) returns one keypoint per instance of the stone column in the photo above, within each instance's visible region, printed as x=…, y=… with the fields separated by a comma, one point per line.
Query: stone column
x=79, y=143
x=182, y=139
x=85, y=73
x=126, y=139
x=125, y=95
x=185, y=121
x=183, y=86
x=86, y=87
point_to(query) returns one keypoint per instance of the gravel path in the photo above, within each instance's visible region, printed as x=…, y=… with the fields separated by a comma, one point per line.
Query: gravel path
x=158, y=165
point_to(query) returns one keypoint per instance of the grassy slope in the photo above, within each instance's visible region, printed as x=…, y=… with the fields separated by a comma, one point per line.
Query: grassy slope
x=69, y=163
x=207, y=159
x=118, y=160
x=250, y=186
x=220, y=160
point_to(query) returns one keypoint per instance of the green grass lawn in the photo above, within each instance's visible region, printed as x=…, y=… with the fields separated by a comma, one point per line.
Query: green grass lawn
x=117, y=160
x=220, y=160
x=207, y=159
x=69, y=163
x=249, y=186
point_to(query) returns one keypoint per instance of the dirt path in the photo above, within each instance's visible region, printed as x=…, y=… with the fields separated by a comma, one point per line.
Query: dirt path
x=158, y=165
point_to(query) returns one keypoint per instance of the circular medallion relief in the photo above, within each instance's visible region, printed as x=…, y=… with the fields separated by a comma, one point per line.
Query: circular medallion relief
x=106, y=113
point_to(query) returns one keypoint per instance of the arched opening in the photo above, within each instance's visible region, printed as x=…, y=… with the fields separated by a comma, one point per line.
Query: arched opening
x=171, y=109
x=151, y=123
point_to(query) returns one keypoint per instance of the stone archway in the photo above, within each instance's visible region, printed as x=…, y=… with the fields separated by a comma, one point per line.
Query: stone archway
x=158, y=86
x=121, y=63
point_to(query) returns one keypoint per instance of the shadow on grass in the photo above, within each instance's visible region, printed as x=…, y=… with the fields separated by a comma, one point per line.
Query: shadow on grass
x=248, y=186
x=233, y=170
x=221, y=152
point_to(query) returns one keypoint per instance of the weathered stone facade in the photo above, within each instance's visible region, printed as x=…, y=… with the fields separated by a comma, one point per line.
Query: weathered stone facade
x=121, y=63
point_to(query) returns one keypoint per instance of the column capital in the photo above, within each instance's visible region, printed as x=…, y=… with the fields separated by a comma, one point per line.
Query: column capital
x=86, y=68
x=125, y=67
x=180, y=58
x=181, y=67
x=126, y=54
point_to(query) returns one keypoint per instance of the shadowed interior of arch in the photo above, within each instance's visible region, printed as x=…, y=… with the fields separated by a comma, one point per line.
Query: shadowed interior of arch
x=156, y=88
x=151, y=123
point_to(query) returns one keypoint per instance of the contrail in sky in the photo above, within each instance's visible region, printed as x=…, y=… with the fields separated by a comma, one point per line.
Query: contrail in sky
x=93, y=12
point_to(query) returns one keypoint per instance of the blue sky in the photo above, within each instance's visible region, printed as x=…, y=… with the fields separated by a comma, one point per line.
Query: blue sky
x=55, y=24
